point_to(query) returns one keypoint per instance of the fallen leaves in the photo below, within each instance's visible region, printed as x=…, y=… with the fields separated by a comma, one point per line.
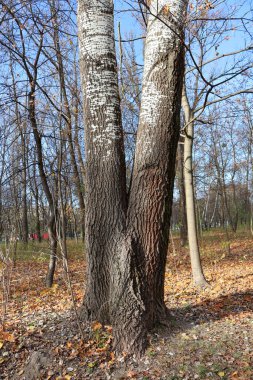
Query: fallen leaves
x=216, y=344
x=96, y=326
x=7, y=336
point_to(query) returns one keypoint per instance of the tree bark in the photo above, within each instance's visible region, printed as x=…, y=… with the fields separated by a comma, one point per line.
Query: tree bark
x=126, y=245
x=196, y=266
x=22, y=128
x=24, y=189
x=105, y=164
x=43, y=177
x=37, y=213
x=67, y=117
x=182, y=201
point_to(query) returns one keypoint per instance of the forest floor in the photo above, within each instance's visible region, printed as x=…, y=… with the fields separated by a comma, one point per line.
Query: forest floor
x=210, y=337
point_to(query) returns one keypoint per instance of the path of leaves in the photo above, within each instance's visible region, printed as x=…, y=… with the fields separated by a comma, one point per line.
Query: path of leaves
x=211, y=333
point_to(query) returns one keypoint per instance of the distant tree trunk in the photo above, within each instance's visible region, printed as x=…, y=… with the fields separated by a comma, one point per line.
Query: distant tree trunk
x=24, y=190
x=182, y=201
x=249, y=171
x=22, y=129
x=220, y=166
x=37, y=208
x=197, y=271
x=126, y=245
x=67, y=117
x=61, y=233
x=43, y=177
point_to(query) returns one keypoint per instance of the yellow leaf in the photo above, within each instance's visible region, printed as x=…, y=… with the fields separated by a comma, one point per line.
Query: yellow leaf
x=92, y=364
x=96, y=326
x=1, y=344
x=55, y=287
x=166, y=9
x=221, y=374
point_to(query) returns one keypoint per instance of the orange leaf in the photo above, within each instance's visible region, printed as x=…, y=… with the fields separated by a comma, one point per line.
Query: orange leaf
x=131, y=374
x=108, y=329
x=96, y=326
x=8, y=337
x=166, y=10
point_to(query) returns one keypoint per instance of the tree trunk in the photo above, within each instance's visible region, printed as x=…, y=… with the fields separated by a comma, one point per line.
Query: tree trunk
x=24, y=190
x=67, y=117
x=126, y=246
x=43, y=177
x=22, y=128
x=197, y=271
x=182, y=201
x=105, y=165
x=37, y=214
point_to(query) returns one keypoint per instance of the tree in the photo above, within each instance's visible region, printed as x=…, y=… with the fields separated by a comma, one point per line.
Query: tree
x=197, y=272
x=126, y=242
x=202, y=82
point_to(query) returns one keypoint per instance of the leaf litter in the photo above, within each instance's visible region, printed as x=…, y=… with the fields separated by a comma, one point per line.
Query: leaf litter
x=210, y=334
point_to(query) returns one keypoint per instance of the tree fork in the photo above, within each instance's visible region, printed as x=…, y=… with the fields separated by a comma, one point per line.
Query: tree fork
x=126, y=246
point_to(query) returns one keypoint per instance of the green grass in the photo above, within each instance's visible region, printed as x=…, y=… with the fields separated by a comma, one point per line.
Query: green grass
x=40, y=252
x=214, y=237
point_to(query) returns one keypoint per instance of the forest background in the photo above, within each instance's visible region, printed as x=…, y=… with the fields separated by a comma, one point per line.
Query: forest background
x=42, y=192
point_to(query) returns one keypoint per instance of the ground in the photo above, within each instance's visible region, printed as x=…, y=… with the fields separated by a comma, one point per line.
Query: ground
x=210, y=334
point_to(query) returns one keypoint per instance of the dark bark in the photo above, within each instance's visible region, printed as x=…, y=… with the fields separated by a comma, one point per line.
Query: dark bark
x=43, y=177
x=126, y=246
x=24, y=191
x=53, y=251
x=37, y=214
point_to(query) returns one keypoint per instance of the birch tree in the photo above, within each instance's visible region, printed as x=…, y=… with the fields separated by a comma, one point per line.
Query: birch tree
x=126, y=241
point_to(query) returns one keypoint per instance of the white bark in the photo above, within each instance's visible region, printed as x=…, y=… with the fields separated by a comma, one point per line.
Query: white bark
x=96, y=46
x=127, y=250
x=160, y=40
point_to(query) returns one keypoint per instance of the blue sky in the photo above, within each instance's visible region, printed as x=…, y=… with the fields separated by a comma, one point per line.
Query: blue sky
x=236, y=39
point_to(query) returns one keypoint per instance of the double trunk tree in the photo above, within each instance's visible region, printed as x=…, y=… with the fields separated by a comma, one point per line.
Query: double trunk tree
x=127, y=238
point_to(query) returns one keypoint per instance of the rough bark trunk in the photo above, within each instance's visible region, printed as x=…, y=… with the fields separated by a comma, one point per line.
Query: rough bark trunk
x=126, y=247
x=105, y=165
x=151, y=192
x=197, y=271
